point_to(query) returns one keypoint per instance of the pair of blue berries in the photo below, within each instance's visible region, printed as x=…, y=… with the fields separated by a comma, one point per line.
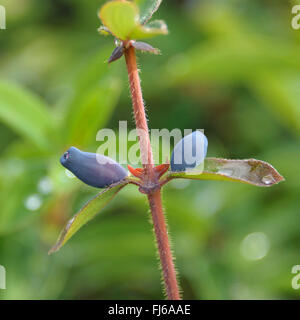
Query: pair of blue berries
x=100, y=171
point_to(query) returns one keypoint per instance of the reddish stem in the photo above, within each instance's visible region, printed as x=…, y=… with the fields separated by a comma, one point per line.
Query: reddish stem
x=163, y=245
x=150, y=178
x=139, y=110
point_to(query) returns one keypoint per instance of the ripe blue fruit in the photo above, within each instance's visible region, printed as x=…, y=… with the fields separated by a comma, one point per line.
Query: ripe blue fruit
x=93, y=169
x=189, y=152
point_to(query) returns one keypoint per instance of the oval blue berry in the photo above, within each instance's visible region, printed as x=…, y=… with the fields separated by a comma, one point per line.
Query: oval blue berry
x=93, y=169
x=189, y=152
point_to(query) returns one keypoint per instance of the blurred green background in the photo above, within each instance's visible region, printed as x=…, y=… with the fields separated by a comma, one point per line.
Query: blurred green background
x=230, y=67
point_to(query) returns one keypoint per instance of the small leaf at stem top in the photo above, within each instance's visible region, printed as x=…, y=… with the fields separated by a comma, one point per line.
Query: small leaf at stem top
x=87, y=213
x=147, y=9
x=250, y=171
x=156, y=27
x=122, y=19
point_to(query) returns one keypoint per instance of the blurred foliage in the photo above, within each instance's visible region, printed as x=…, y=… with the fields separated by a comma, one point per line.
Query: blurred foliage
x=231, y=68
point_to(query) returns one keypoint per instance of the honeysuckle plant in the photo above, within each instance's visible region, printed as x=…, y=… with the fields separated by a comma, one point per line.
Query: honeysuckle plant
x=128, y=22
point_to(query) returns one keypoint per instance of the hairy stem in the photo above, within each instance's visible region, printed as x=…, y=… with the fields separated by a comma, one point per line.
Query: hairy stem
x=139, y=111
x=150, y=178
x=163, y=245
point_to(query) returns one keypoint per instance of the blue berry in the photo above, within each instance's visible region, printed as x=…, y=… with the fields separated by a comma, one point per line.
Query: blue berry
x=93, y=169
x=189, y=152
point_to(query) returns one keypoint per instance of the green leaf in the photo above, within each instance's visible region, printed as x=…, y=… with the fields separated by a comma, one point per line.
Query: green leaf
x=119, y=17
x=87, y=213
x=17, y=184
x=147, y=9
x=122, y=19
x=95, y=93
x=280, y=92
x=91, y=111
x=250, y=171
x=231, y=61
x=104, y=31
x=92, y=70
x=156, y=27
x=26, y=114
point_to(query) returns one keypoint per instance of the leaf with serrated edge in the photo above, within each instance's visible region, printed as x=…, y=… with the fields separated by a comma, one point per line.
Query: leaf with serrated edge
x=156, y=27
x=157, y=24
x=147, y=9
x=250, y=171
x=88, y=212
